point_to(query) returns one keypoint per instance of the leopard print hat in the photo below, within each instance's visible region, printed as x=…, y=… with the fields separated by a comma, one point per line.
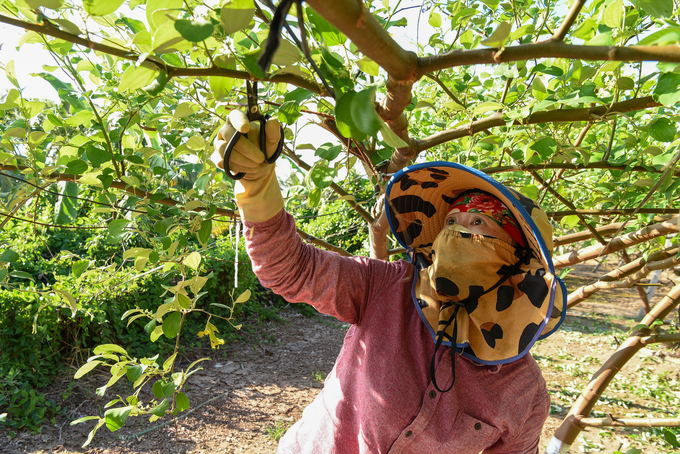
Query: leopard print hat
x=418, y=198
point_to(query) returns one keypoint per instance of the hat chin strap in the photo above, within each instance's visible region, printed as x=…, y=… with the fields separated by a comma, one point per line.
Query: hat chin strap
x=441, y=333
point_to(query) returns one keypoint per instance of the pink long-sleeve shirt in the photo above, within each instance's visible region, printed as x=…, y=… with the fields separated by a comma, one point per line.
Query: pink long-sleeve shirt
x=379, y=398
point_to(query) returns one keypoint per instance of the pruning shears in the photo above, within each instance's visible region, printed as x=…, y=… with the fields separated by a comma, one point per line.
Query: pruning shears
x=253, y=114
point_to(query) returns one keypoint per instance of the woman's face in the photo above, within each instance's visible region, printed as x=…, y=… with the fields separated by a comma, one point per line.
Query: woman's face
x=478, y=223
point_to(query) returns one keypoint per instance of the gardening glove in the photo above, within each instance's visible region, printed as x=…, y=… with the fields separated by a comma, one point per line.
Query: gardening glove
x=258, y=194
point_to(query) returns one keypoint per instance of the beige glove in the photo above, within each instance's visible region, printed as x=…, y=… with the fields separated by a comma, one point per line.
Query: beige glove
x=258, y=194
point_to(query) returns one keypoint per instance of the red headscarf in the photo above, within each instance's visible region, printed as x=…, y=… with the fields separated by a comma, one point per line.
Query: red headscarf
x=477, y=201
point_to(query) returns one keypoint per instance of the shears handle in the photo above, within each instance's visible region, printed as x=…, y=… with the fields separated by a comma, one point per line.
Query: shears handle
x=263, y=142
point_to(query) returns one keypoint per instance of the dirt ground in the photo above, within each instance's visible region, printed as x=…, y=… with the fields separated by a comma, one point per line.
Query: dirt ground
x=251, y=392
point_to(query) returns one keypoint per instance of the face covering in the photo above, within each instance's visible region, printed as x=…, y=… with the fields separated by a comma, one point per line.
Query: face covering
x=489, y=298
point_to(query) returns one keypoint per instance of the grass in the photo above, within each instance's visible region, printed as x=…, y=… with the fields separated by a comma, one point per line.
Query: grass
x=277, y=431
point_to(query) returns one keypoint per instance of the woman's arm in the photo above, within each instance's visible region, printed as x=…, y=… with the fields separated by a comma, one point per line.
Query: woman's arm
x=334, y=285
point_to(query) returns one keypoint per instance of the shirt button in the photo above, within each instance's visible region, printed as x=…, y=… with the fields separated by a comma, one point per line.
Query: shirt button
x=478, y=426
x=409, y=433
x=433, y=394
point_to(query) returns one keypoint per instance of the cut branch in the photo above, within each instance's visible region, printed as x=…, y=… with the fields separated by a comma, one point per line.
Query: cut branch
x=617, y=244
x=582, y=236
x=641, y=272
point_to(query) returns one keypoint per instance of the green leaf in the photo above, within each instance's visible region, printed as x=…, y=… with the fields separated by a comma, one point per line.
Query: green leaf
x=66, y=208
x=221, y=87
x=171, y=325
x=134, y=372
x=168, y=389
x=21, y=275
x=194, y=30
x=657, y=8
x=368, y=66
x=204, y=232
x=530, y=191
x=344, y=119
x=96, y=155
x=157, y=11
x=157, y=86
x=488, y=106
x=237, y=15
x=669, y=35
x=161, y=227
x=117, y=226
x=158, y=389
x=85, y=368
x=363, y=112
x=109, y=348
x=670, y=438
x=569, y=222
x=625, y=83
x=76, y=167
x=79, y=267
x=150, y=327
x=538, y=90
x=545, y=147
x=667, y=90
x=182, y=402
x=9, y=255
x=435, y=19
x=314, y=197
x=391, y=138
x=243, y=297
x=101, y=8
x=136, y=77
x=193, y=260
x=289, y=112
x=603, y=39
x=116, y=417
x=662, y=129
x=51, y=4
x=328, y=151
x=161, y=408
x=613, y=14
x=329, y=34
x=322, y=175
x=498, y=37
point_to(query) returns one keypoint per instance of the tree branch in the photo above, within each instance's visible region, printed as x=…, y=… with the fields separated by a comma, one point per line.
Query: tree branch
x=561, y=33
x=615, y=212
x=617, y=244
x=569, y=166
x=585, y=292
x=568, y=204
x=358, y=208
x=317, y=242
x=122, y=186
x=172, y=71
x=547, y=49
x=550, y=116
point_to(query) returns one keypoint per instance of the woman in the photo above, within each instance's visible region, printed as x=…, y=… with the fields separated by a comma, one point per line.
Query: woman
x=392, y=388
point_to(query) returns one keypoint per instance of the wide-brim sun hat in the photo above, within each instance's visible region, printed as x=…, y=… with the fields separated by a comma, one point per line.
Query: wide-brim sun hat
x=417, y=201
